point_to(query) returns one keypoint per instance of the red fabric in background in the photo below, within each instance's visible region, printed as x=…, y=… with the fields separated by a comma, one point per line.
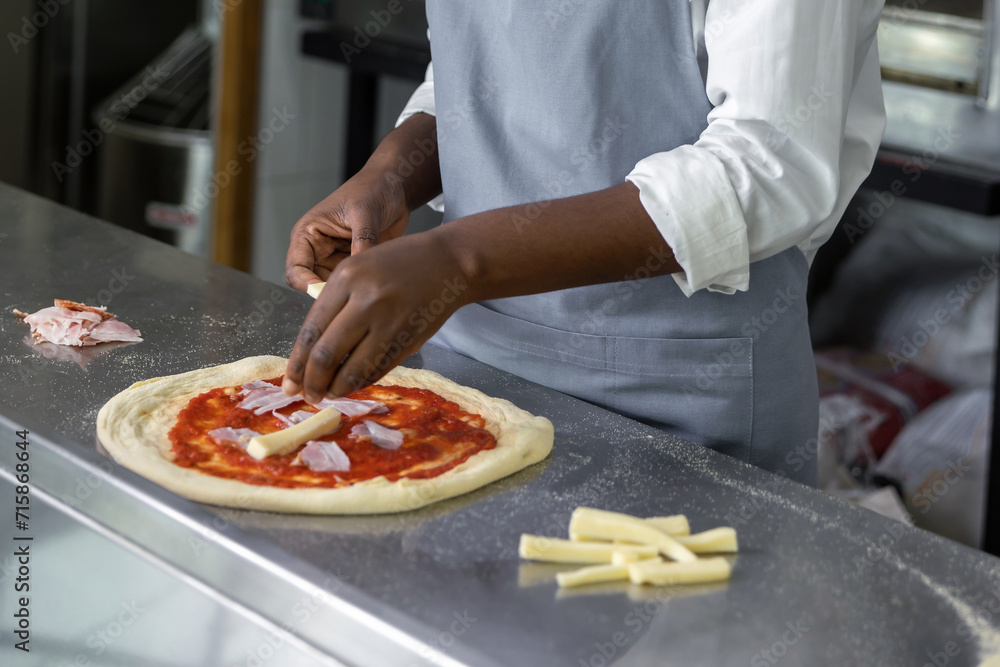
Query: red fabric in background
x=870, y=377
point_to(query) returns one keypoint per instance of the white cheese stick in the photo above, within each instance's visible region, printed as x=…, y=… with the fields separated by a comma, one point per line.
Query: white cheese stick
x=671, y=525
x=664, y=573
x=286, y=440
x=674, y=526
x=620, y=557
x=594, y=574
x=715, y=541
x=593, y=523
x=314, y=289
x=555, y=550
x=533, y=573
x=601, y=540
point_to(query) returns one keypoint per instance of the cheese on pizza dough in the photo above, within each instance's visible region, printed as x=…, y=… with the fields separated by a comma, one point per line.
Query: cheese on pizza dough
x=287, y=440
x=134, y=426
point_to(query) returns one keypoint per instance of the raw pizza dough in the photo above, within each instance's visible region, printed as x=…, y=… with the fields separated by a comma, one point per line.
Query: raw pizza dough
x=134, y=425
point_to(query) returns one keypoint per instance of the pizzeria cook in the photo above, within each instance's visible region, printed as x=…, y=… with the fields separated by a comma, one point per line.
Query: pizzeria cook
x=700, y=155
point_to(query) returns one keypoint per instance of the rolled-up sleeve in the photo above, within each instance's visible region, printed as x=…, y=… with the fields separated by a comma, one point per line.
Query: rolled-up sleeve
x=797, y=118
x=422, y=101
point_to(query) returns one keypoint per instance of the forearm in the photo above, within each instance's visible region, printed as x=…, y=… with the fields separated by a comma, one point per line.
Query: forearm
x=600, y=237
x=365, y=313
x=409, y=157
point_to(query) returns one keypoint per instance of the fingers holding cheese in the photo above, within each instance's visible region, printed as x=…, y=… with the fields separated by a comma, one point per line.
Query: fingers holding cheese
x=314, y=289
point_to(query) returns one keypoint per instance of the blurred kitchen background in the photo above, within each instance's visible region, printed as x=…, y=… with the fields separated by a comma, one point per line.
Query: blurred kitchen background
x=135, y=113
x=149, y=69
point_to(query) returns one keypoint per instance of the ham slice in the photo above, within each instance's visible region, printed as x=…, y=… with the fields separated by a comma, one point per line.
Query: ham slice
x=382, y=436
x=264, y=397
x=296, y=417
x=241, y=436
x=101, y=312
x=256, y=384
x=72, y=323
x=325, y=456
x=352, y=407
x=114, y=330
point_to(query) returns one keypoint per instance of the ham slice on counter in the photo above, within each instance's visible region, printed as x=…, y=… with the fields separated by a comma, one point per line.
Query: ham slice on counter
x=72, y=323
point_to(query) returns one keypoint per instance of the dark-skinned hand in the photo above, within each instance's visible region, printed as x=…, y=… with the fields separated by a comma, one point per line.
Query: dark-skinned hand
x=378, y=307
x=365, y=210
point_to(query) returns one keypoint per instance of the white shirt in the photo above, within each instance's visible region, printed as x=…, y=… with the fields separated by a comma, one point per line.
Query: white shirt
x=797, y=120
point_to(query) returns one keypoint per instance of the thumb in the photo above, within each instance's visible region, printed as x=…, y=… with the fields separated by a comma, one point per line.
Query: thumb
x=363, y=236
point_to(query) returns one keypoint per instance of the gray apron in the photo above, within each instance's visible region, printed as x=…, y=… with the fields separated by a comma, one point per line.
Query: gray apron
x=538, y=99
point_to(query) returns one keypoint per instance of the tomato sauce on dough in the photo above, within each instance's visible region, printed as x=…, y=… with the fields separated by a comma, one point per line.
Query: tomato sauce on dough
x=437, y=436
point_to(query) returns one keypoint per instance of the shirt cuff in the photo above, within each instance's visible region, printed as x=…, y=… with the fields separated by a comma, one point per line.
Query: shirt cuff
x=688, y=195
x=422, y=101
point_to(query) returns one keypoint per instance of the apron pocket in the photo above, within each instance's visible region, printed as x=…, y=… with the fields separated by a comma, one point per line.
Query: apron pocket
x=699, y=388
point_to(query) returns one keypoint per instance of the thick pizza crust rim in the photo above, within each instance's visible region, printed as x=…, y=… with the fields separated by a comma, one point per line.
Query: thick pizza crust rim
x=133, y=426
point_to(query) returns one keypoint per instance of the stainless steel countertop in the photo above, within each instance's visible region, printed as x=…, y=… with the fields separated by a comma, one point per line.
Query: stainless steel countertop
x=133, y=601
x=817, y=582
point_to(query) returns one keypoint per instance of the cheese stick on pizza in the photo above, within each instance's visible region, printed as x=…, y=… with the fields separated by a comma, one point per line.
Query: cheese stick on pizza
x=409, y=440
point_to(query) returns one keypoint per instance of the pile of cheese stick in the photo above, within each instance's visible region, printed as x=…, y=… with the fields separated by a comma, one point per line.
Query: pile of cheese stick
x=656, y=550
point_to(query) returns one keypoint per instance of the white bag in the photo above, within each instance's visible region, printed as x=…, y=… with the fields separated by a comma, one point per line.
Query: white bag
x=939, y=460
